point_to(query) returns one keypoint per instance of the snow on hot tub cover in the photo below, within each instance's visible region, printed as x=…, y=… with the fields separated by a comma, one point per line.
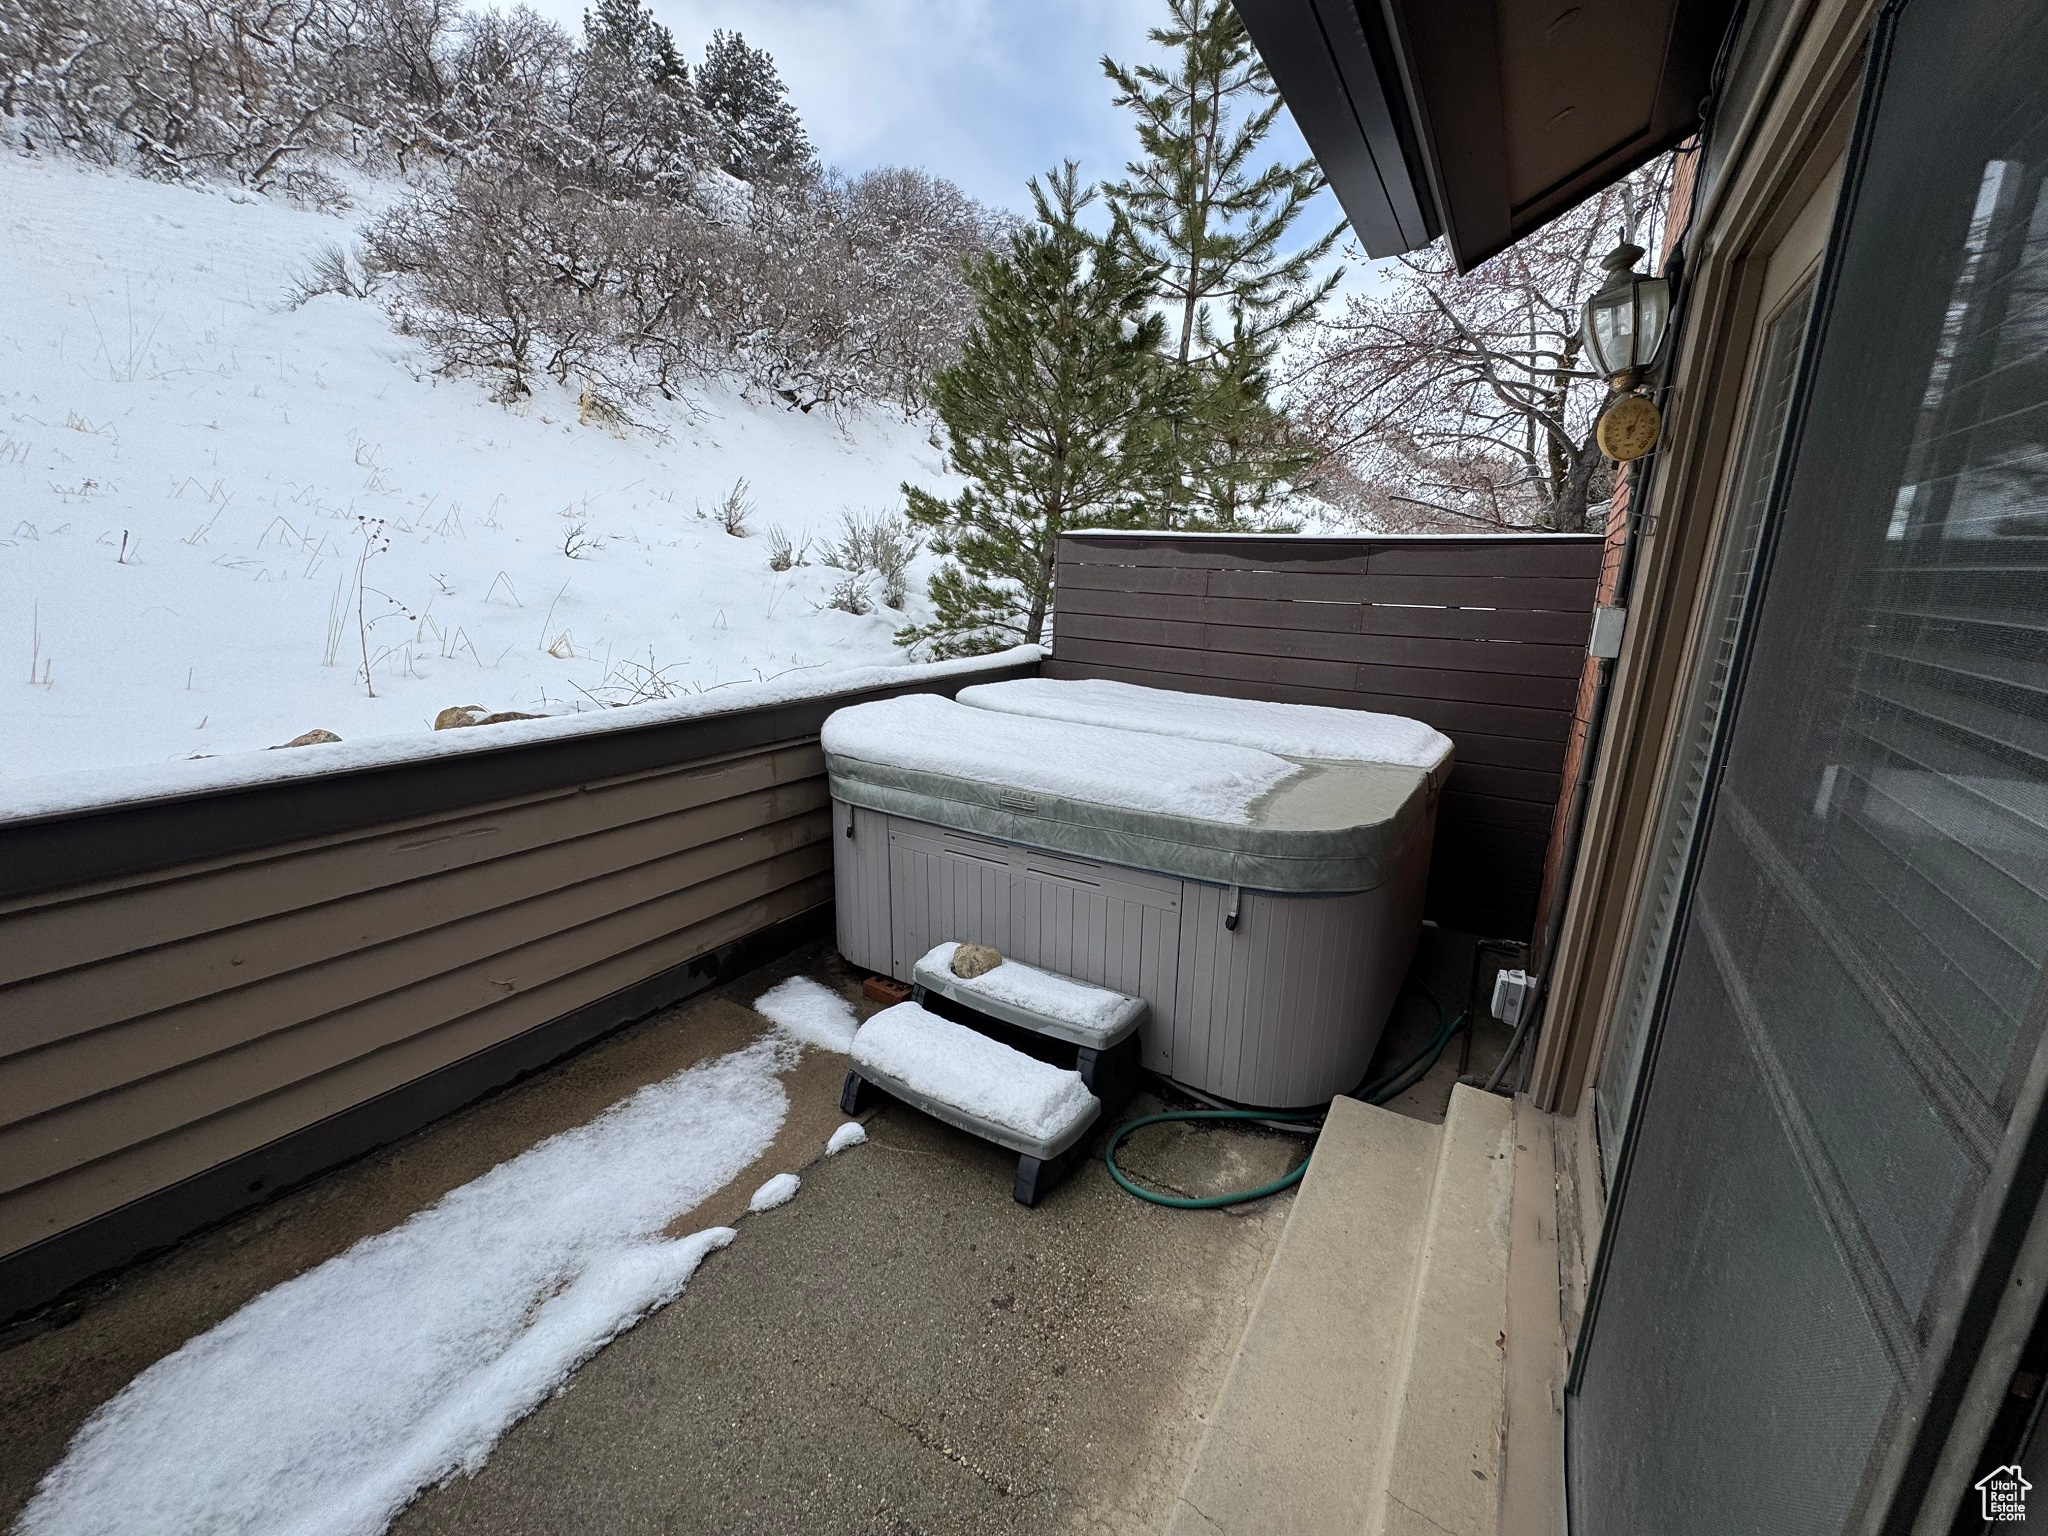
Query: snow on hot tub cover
x=1204, y=810
x=1314, y=731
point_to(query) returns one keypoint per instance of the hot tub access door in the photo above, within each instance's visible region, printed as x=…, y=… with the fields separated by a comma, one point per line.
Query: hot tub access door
x=1117, y=928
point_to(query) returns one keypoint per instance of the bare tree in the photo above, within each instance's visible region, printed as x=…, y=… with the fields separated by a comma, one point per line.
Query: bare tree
x=1463, y=402
x=257, y=91
x=568, y=213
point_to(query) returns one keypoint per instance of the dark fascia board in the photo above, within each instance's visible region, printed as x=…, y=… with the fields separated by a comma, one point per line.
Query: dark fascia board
x=1337, y=71
x=1453, y=63
x=1402, y=103
x=112, y=842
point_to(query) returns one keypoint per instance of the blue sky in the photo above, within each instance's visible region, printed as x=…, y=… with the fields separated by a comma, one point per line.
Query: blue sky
x=982, y=92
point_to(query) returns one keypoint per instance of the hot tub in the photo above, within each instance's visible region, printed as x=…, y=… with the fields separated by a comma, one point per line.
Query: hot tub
x=1253, y=871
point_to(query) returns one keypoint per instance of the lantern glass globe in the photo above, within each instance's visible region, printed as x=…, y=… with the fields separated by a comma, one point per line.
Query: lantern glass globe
x=1625, y=321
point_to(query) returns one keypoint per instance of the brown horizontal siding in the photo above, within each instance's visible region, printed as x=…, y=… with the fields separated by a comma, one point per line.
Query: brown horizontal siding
x=251, y=1040
x=80, y=1190
x=86, y=925
x=285, y=1002
x=1483, y=638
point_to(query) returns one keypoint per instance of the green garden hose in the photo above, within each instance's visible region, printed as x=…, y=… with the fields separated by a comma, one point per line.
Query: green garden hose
x=1399, y=1080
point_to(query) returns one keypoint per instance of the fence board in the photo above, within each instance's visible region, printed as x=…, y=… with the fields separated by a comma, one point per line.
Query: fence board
x=1534, y=625
x=1459, y=655
x=1484, y=638
x=1479, y=555
x=1554, y=593
x=1453, y=717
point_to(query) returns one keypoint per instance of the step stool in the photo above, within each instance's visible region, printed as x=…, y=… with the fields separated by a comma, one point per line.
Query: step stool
x=1101, y=1025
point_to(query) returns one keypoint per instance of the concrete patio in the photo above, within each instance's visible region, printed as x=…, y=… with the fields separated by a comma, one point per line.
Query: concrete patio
x=902, y=1349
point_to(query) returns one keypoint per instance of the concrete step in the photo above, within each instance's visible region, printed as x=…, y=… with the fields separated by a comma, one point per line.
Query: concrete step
x=1441, y=1468
x=1365, y=1396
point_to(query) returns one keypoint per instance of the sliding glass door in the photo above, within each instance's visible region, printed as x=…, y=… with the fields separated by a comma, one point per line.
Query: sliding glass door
x=1823, y=1175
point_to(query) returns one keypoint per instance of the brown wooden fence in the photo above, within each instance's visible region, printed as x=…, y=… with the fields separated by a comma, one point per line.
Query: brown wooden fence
x=204, y=1000
x=1483, y=637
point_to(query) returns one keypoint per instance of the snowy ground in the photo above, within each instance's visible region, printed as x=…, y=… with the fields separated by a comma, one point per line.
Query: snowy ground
x=191, y=472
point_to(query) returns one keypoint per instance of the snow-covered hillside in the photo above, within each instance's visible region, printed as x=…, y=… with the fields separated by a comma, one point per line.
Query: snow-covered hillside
x=192, y=471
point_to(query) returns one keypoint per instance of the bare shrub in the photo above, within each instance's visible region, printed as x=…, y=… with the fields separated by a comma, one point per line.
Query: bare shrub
x=784, y=552
x=635, y=682
x=574, y=209
x=851, y=595
x=507, y=276
x=256, y=91
x=333, y=269
x=881, y=542
x=731, y=513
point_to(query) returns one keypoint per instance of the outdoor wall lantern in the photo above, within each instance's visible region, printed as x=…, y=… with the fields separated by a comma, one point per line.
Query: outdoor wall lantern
x=1624, y=327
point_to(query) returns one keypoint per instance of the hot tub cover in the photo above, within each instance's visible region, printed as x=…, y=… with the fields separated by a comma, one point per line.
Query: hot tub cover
x=1314, y=732
x=1203, y=810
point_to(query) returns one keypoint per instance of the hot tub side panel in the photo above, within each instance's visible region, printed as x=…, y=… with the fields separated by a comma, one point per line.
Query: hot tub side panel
x=1101, y=923
x=1277, y=1012
x=860, y=886
x=1287, y=1009
x=945, y=885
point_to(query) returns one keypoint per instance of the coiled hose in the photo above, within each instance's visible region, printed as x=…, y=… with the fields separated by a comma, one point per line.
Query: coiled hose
x=1396, y=1081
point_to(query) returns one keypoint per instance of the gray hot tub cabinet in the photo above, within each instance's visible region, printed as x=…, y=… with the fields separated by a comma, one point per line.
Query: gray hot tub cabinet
x=1271, y=994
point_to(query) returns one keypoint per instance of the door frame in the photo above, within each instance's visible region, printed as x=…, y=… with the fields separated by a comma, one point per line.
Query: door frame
x=1786, y=143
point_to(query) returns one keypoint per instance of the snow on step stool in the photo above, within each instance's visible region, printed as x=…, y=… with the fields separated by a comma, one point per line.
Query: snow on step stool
x=1044, y=1002
x=1101, y=1025
x=986, y=1088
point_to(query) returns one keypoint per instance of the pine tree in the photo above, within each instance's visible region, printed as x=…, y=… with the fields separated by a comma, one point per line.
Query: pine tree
x=629, y=33
x=1054, y=413
x=1214, y=223
x=763, y=139
x=1238, y=452
x=633, y=121
x=1201, y=208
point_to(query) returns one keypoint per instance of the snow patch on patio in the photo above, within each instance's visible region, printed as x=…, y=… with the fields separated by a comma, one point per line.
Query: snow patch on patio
x=810, y=1013
x=324, y=1406
x=851, y=1134
x=779, y=1190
